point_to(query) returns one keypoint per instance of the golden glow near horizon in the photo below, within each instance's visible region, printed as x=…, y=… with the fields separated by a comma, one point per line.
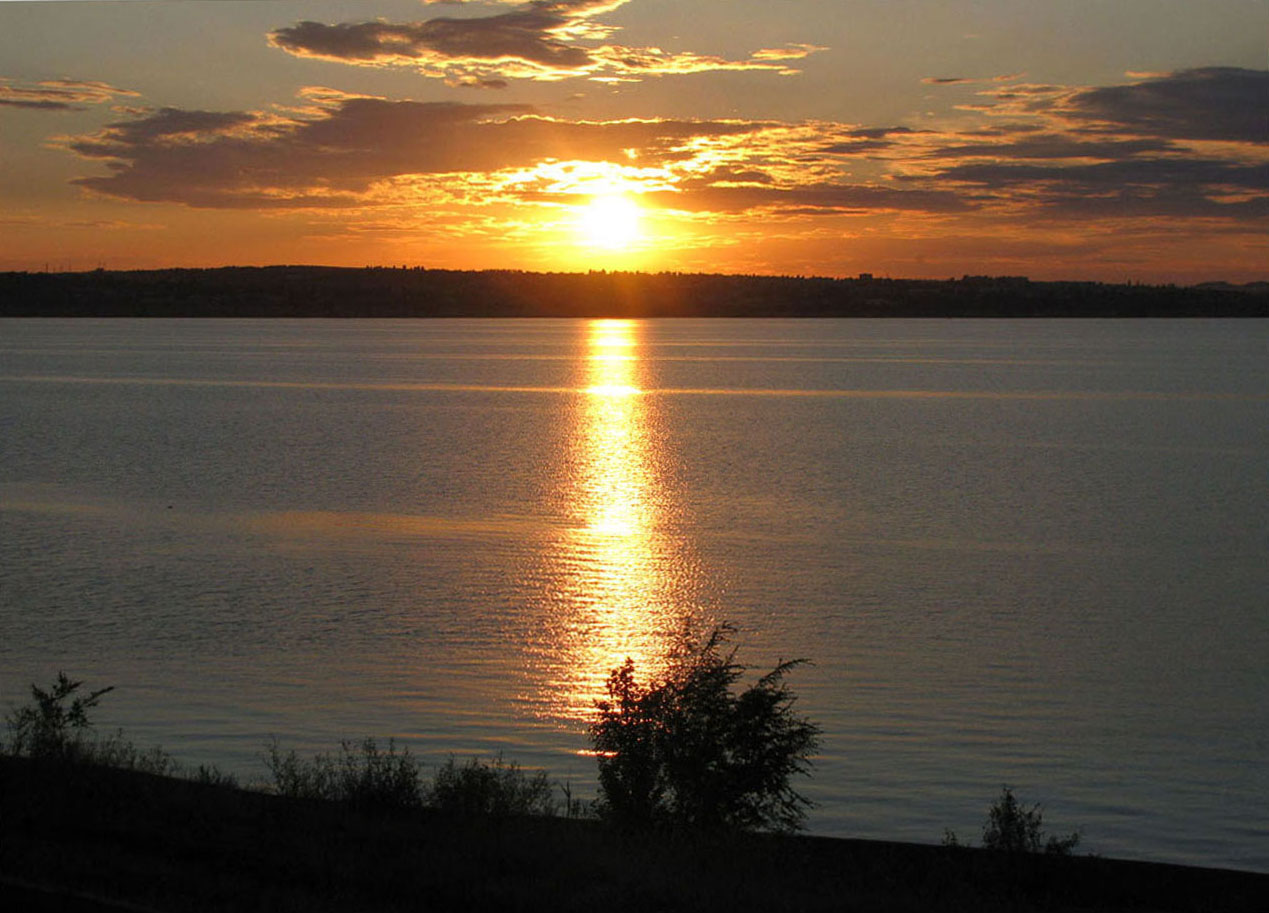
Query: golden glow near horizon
x=615, y=579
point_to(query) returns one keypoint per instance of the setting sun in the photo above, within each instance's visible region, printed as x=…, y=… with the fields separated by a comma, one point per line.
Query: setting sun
x=611, y=222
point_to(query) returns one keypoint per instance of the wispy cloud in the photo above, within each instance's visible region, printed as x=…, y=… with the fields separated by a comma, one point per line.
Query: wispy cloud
x=58, y=94
x=540, y=40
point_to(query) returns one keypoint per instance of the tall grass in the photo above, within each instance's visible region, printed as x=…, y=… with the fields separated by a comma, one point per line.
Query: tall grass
x=360, y=774
x=493, y=787
x=363, y=774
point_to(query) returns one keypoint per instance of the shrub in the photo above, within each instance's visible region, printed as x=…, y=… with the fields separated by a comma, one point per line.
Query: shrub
x=116, y=751
x=491, y=787
x=689, y=752
x=56, y=726
x=1013, y=828
x=212, y=775
x=361, y=774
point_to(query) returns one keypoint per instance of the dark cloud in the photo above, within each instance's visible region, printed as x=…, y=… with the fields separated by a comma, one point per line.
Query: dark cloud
x=169, y=122
x=1211, y=103
x=1152, y=172
x=1052, y=146
x=967, y=80
x=1171, y=203
x=864, y=140
x=331, y=158
x=475, y=82
x=43, y=105
x=522, y=36
x=1177, y=188
x=540, y=39
x=879, y=132
x=728, y=174
x=1122, y=151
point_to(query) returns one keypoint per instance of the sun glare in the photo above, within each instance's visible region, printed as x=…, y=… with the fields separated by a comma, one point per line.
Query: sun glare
x=610, y=222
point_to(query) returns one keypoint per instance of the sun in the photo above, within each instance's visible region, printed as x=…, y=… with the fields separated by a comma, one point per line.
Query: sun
x=610, y=221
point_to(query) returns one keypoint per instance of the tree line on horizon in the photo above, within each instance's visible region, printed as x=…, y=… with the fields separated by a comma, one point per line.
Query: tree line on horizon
x=312, y=291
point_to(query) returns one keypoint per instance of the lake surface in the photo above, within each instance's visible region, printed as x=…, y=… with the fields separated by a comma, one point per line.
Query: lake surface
x=1024, y=553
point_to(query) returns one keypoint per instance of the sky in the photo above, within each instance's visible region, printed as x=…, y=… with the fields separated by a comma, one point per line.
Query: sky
x=1111, y=140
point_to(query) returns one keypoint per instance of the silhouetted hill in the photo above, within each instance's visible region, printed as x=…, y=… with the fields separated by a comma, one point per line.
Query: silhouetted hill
x=313, y=291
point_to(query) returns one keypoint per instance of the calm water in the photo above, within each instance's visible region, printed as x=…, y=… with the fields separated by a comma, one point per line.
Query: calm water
x=1031, y=553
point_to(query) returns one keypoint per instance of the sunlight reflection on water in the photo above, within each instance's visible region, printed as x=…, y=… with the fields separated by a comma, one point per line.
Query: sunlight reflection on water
x=613, y=573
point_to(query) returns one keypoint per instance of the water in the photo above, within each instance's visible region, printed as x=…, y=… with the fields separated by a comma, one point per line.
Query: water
x=1016, y=552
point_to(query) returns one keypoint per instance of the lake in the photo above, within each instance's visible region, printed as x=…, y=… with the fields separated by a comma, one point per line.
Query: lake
x=1032, y=553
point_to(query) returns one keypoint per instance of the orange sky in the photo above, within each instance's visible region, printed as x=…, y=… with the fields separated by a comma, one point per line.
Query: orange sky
x=1102, y=141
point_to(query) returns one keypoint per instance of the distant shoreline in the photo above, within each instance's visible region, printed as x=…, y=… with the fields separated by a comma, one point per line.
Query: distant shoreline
x=378, y=292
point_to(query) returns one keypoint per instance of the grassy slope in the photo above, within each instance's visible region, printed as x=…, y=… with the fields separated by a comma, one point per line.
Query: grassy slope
x=143, y=842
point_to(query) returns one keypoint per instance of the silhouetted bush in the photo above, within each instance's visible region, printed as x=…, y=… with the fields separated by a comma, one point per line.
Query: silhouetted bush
x=212, y=775
x=361, y=774
x=1013, y=828
x=491, y=787
x=116, y=751
x=55, y=726
x=688, y=752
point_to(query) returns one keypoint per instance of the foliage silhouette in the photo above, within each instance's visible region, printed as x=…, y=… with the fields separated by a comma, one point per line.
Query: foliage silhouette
x=364, y=775
x=687, y=751
x=361, y=774
x=56, y=726
x=493, y=788
x=1013, y=828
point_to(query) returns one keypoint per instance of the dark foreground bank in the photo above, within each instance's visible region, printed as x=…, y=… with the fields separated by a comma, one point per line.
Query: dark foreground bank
x=93, y=839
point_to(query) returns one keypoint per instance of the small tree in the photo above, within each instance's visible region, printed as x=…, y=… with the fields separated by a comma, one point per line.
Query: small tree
x=55, y=723
x=1013, y=828
x=688, y=751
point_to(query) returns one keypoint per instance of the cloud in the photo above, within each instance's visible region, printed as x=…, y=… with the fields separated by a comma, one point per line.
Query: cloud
x=58, y=94
x=541, y=39
x=1030, y=145
x=1207, y=103
x=1130, y=173
x=1185, y=145
x=1045, y=160
x=967, y=80
x=361, y=153
x=1130, y=188
x=1210, y=103
x=332, y=156
x=521, y=44
x=813, y=199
